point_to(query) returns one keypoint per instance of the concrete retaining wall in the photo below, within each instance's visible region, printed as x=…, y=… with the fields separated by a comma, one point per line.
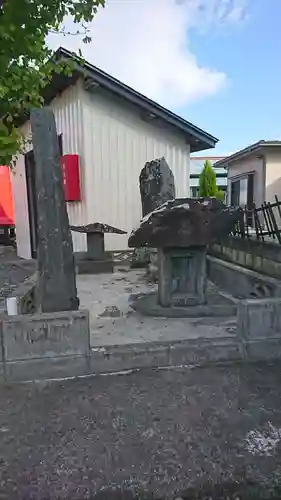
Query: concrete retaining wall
x=263, y=257
x=241, y=282
x=258, y=319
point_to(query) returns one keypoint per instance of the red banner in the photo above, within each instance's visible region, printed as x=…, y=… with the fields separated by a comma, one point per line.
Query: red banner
x=6, y=198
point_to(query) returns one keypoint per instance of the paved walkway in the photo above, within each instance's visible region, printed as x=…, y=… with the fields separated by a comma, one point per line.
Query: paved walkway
x=113, y=321
x=162, y=432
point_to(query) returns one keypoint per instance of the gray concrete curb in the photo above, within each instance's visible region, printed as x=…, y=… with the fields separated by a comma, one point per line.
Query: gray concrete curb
x=114, y=359
x=161, y=354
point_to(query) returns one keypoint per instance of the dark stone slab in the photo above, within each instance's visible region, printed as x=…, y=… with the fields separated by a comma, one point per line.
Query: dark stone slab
x=56, y=290
x=95, y=245
x=185, y=222
x=97, y=227
x=157, y=185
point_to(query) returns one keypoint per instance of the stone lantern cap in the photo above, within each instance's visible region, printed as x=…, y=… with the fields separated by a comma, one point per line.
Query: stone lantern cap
x=97, y=227
x=185, y=222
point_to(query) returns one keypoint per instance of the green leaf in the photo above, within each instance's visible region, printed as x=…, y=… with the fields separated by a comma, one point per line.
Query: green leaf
x=26, y=66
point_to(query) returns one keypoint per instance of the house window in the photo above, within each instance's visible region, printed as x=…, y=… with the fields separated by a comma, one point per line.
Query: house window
x=242, y=193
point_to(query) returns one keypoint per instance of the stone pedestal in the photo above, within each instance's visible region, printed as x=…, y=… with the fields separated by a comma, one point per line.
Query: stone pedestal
x=182, y=277
x=95, y=245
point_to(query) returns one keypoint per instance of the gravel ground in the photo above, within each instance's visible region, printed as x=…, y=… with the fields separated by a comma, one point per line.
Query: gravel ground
x=13, y=271
x=210, y=432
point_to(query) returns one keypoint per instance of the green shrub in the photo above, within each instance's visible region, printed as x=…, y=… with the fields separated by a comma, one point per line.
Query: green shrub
x=208, y=183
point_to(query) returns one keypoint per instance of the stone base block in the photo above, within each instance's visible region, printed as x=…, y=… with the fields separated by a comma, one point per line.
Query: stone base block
x=216, y=306
x=263, y=349
x=94, y=266
x=259, y=318
x=45, y=345
x=46, y=335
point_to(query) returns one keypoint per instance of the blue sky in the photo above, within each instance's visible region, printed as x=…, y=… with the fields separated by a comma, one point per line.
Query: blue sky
x=215, y=62
x=249, y=107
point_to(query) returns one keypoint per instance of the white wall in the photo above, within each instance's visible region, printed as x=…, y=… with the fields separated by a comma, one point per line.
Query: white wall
x=273, y=174
x=118, y=143
x=113, y=143
x=68, y=114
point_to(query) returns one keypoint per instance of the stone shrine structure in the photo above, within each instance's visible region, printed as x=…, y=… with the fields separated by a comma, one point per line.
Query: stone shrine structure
x=181, y=230
x=56, y=286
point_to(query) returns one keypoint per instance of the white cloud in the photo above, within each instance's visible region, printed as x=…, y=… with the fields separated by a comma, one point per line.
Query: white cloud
x=145, y=43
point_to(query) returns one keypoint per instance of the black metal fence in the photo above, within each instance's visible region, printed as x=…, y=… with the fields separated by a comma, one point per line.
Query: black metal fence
x=262, y=223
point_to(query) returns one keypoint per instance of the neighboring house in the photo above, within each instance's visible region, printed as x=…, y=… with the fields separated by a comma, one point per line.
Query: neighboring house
x=254, y=173
x=114, y=130
x=196, y=167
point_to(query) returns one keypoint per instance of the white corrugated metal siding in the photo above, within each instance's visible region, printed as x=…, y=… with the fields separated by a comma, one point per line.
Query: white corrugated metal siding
x=117, y=145
x=113, y=143
x=69, y=120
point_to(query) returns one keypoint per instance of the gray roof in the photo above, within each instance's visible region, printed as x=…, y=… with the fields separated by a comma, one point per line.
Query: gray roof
x=196, y=137
x=253, y=148
x=197, y=164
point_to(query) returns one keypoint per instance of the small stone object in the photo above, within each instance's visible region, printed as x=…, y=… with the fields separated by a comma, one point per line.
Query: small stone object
x=111, y=312
x=157, y=185
x=140, y=258
x=56, y=287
